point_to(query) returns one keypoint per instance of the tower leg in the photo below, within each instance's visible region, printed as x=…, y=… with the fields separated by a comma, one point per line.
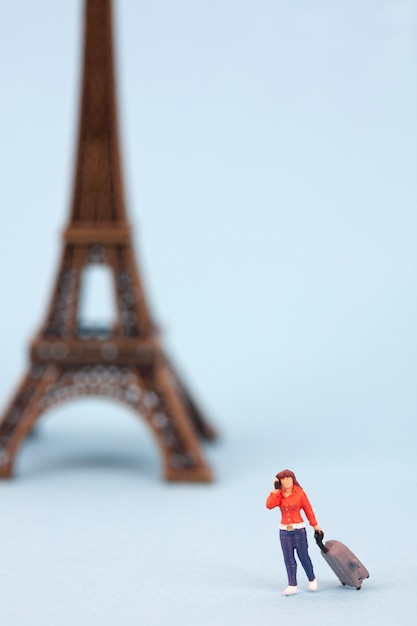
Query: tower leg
x=175, y=434
x=21, y=414
x=201, y=426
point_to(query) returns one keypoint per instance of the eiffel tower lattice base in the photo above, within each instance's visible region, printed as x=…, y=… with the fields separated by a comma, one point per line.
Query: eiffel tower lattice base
x=150, y=389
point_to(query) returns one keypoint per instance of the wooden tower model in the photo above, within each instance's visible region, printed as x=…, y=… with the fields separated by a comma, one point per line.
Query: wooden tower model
x=124, y=362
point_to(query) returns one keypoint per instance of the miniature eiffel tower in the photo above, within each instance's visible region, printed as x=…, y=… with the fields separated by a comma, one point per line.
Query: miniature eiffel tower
x=124, y=362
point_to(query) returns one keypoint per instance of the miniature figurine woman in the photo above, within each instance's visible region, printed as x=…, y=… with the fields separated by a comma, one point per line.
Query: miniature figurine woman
x=291, y=498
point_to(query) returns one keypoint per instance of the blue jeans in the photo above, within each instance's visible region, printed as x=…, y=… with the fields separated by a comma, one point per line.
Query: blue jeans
x=292, y=540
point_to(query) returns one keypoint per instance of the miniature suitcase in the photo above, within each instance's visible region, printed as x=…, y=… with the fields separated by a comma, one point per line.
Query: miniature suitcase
x=347, y=567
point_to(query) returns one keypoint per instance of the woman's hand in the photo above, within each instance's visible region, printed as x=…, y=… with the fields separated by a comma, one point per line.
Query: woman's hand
x=317, y=527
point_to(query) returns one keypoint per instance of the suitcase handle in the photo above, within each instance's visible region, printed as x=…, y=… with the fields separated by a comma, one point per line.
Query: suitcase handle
x=319, y=536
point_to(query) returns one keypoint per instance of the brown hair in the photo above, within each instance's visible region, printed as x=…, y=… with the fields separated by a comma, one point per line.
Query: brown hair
x=285, y=473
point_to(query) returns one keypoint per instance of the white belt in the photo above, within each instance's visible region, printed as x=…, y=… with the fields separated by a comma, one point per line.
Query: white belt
x=292, y=526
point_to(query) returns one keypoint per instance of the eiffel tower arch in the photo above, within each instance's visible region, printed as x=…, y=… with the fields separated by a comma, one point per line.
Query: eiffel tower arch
x=124, y=361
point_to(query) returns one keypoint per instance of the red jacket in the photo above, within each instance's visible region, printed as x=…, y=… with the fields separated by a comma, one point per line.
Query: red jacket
x=291, y=506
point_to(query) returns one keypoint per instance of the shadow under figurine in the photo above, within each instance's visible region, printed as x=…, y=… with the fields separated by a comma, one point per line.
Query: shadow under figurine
x=291, y=498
